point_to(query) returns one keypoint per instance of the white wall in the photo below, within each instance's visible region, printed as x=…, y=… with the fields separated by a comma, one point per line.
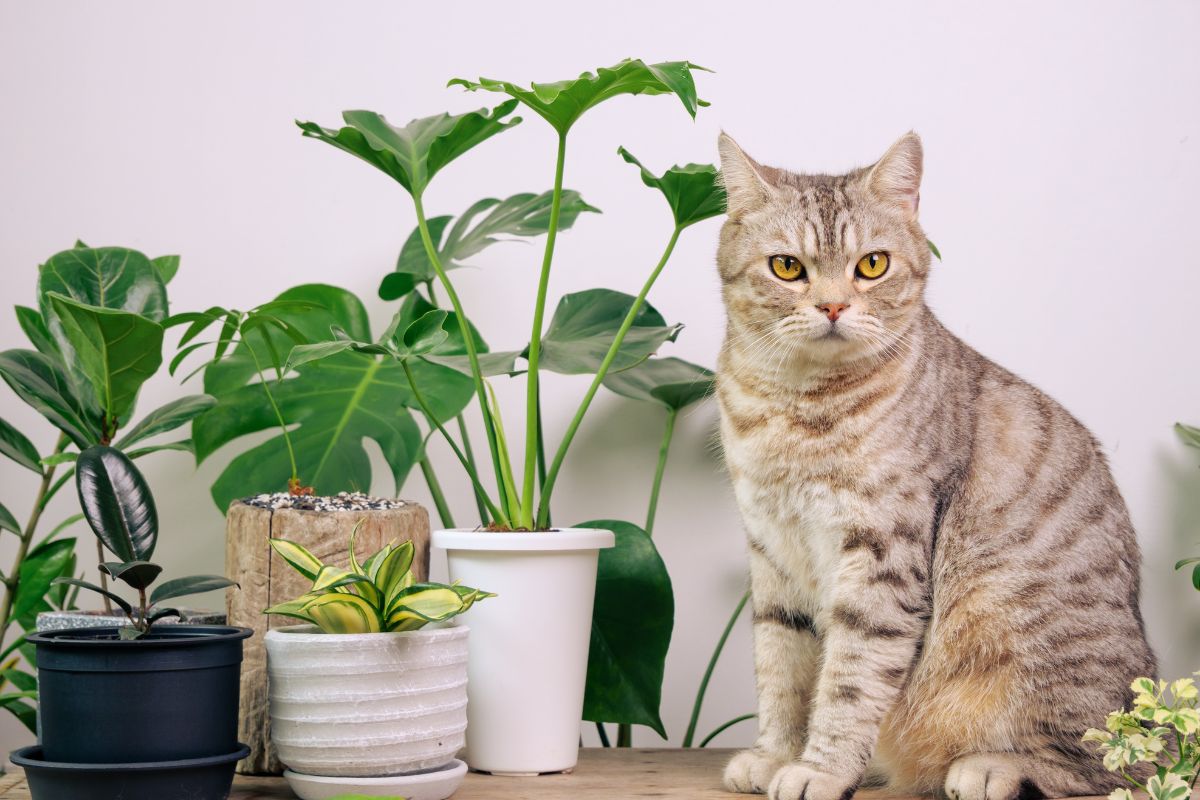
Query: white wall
x=1061, y=186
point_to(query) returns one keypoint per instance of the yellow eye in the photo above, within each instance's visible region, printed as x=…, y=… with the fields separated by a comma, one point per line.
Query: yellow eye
x=786, y=268
x=872, y=266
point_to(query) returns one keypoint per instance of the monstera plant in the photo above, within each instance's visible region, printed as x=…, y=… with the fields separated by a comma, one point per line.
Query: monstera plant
x=95, y=335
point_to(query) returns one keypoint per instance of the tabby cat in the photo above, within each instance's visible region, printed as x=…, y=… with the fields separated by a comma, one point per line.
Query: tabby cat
x=944, y=575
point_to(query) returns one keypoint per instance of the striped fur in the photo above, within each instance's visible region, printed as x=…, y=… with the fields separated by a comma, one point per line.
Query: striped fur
x=944, y=575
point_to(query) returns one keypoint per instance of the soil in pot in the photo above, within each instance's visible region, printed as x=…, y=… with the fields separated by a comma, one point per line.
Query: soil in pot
x=170, y=696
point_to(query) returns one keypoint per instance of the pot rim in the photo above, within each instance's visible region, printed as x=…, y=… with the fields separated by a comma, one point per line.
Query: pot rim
x=166, y=637
x=311, y=633
x=453, y=767
x=26, y=758
x=557, y=540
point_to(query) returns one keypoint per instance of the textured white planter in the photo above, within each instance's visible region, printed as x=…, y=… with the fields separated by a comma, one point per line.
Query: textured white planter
x=367, y=705
x=529, y=644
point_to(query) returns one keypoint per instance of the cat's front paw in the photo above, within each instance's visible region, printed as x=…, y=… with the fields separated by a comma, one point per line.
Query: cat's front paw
x=803, y=782
x=750, y=771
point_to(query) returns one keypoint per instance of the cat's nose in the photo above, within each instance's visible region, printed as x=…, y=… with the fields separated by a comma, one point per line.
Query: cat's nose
x=833, y=310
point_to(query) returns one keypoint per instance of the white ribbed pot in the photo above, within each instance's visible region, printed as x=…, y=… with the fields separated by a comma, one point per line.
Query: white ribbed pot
x=529, y=644
x=367, y=705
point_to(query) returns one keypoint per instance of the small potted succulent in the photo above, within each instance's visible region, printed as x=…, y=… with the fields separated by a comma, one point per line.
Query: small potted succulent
x=165, y=697
x=364, y=697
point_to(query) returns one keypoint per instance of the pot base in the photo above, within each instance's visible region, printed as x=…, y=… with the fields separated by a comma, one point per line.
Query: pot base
x=437, y=784
x=208, y=778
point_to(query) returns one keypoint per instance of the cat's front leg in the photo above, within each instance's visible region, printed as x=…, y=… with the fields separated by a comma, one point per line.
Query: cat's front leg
x=880, y=608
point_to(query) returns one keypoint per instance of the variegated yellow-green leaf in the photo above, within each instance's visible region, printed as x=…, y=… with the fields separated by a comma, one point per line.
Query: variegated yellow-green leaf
x=293, y=608
x=331, y=577
x=299, y=558
x=371, y=565
x=392, y=569
x=343, y=613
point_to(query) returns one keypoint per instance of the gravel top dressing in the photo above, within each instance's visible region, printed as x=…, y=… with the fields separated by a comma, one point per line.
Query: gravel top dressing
x=342, y=501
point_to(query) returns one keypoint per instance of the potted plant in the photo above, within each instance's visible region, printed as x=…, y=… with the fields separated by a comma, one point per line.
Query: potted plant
x=164, y=697
x=529, y=662
x=365, y=697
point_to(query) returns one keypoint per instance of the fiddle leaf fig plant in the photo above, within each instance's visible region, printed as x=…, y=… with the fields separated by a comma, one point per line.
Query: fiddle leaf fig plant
x=380, y=595
x=120, y=510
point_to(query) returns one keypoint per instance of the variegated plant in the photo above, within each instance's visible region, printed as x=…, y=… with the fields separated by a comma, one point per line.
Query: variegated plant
x=378, y=595
x=1156, y=732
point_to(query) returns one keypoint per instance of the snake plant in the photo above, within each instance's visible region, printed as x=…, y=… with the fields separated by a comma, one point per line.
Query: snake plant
x=379, y=595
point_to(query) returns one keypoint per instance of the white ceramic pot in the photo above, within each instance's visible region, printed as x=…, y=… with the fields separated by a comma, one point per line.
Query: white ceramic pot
x=367, y=705
x=529, y=644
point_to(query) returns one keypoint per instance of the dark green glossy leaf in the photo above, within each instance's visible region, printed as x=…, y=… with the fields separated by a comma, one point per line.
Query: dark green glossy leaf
x=121, y=602
x=693, y=191
x=332, y=405
x=8, y=522
x=562, y=103
x=40, y=381
x=413, y=154
x=16, y=446
x=138, y=574
x=117, y=503
x=670, y=382
x=524, y=214
x=586, y=323
x=194, y=584
x=167, y=418
x=1189, y=435
x=166, y=266
x=631, y=630
x=117, y=351
x=35, y=329
x=163, y=613
x=41, y=566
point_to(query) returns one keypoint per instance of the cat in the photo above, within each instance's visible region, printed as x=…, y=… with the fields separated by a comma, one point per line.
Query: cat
x=944, y=574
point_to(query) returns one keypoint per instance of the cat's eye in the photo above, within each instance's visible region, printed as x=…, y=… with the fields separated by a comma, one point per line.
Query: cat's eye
x=872, y=266
x=786, y=268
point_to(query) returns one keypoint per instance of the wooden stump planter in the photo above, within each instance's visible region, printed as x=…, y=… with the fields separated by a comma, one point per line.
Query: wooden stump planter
x=266, y=579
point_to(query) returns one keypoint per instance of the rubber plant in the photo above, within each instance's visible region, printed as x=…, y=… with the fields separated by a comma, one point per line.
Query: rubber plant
x=96, y=336
x=119, y=508
x=598, y=332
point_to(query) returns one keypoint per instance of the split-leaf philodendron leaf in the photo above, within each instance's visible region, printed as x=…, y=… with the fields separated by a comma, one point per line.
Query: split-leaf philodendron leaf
x=332, y=404
x=583, y=328
x=414, y=153
x=693, y=191
x=562, y=103
x=670, y=382
x=631, y=630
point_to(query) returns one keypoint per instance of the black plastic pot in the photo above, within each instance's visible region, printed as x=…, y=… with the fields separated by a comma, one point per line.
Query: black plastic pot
x=195, y=779
x=172, y=696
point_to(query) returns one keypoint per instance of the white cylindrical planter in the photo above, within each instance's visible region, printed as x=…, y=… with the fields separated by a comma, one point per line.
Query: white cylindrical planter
x=367, y=705
x=529, y=644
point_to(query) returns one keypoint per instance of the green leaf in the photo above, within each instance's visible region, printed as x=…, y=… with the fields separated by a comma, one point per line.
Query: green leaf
x=14, y=445
x=332, y=405
x=1189, y=435
x=670, y=382
x=392, y=569
x=421, y=604
x=116, y=351
x=8, y=522
x=167, y=418
x=121, y=602
x=562, y=103
x=298, y=557
x=166, y=266
x=413, y=154
x=23, y=711
x=35, y=329
x=117, y=503
x=183, y=446
x=426, y=333
x=585, y=324
x=693, y=191
x=194, y=584
x=524, y=214
x=631, y=630
x=41, y=382
x=55, y=459
x=41, y=566
x=138, y=574
x=24, y=681
x=1196, y=577
x=933, y=249
x=343, y=613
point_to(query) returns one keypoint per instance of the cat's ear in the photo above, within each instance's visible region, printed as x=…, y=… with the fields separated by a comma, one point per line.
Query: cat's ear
x=747, y=183
x=896, y=178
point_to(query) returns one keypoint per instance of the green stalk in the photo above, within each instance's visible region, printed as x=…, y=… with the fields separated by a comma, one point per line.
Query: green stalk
x=412, y=384
x=469, y=342
x=466, y=440
x=663, y=449
x=435, y=491
x=712, y=664
x=609, y=357
x=535, y=343
x=624, y=735
x=603, y=735
x=287, y=439
x=724, y=727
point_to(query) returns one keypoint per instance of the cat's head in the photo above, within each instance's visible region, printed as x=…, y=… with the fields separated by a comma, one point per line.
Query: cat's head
x=825, y=268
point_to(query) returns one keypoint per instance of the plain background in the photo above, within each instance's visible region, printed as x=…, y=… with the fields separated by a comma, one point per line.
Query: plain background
x=1061, y=186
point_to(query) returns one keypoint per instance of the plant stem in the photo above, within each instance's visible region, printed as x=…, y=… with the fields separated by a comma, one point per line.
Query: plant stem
x=722, y=728
x=541, y=431
x=479, y=499
x=603, y=735
x=663, y=449
x=13, y=578
x=262, y=381
x=469, y=343
x=712, y=664
x=535, y=340
x=435, y=490
x=624, y=735
x=609, y=357
x=108, y=609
